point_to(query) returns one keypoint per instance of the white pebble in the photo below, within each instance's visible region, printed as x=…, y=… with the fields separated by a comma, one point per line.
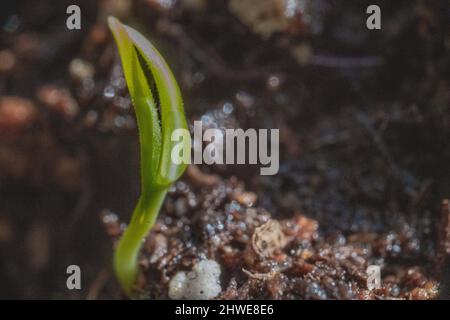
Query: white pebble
x=202, y=283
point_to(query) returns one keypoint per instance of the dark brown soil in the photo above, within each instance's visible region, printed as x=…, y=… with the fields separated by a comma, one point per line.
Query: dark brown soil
x=364, y=119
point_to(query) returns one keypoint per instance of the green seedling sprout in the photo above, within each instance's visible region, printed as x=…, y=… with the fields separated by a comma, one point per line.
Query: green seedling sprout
x=139, y=59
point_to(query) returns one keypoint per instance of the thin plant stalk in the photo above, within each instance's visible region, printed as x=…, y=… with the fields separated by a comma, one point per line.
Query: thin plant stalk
x=127, y=251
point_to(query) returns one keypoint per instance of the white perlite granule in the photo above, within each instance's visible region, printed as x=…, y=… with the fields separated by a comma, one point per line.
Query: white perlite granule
x=202, y=283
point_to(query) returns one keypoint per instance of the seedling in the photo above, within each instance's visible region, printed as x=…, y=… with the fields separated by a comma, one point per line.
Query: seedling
x=158, y=112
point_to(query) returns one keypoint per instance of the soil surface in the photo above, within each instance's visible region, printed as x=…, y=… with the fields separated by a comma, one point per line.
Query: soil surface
x=364, y=119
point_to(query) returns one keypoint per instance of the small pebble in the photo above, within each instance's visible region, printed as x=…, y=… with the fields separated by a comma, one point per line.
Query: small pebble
x=202, y=283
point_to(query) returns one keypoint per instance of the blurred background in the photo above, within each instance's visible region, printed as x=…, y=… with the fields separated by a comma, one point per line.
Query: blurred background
x=363, y=118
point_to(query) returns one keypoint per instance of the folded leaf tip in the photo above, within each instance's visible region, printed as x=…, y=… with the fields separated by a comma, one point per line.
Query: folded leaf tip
x=112, y=22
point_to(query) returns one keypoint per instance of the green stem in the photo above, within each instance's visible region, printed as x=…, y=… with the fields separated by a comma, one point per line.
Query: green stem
x=126, y=255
